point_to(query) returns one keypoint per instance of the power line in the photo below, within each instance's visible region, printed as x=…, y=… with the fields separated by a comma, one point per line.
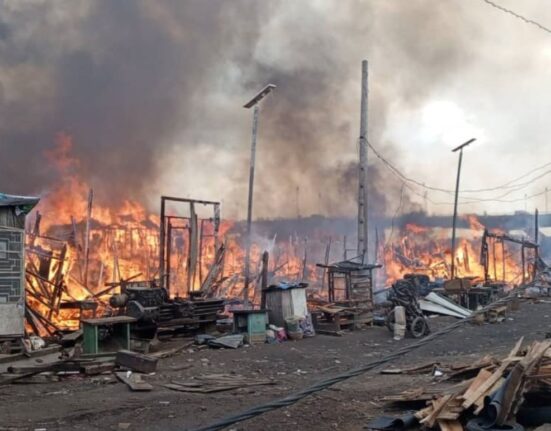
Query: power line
x=473, y=199
x=516, y=15
x=510, y=186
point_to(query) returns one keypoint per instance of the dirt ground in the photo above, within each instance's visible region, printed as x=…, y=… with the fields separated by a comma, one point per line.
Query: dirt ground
x=102, y=403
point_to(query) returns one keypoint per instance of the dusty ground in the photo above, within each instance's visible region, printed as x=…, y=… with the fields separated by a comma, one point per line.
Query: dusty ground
x=101, y=403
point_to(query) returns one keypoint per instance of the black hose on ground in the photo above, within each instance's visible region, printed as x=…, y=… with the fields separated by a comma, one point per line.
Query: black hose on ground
x=324, y=384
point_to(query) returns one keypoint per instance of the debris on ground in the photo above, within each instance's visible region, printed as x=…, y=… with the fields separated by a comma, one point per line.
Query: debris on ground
x=501, y=393
x=216, y=383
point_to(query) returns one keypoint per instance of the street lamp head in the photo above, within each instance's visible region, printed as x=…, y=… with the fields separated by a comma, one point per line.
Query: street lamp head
x=464, y=144
x=259, y=96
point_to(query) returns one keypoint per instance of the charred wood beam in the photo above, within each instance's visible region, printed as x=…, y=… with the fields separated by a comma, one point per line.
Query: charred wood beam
x=505, y=237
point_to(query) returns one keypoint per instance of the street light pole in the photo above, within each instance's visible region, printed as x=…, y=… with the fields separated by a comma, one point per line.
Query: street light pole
x=253, y=103
x=454, y=222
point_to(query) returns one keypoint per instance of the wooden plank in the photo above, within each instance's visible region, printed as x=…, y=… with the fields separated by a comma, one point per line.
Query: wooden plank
x=484, y=387
x=134, y=381
x=482, y=376
x=6, y=379
x=412, y=370
x=516, y=348
x=95, y=369
x=136, y=361
x=493, y=379
x=438, y=405
x=450, y=425
x=516, y=395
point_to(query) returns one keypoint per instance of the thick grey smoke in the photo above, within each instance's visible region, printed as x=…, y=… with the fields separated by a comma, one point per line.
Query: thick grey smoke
x=152, y=94
x=119, y=77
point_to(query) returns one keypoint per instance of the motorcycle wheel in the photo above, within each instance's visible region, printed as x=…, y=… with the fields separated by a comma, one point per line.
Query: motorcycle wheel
x=418, y=327
x=390, y=320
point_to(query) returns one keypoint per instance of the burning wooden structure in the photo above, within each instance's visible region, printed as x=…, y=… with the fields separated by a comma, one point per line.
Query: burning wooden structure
x=199, y=231
x=489, y=256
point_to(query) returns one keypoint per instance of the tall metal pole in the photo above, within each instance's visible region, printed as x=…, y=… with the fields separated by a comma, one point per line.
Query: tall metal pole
x=362, y=186
x=250, y=205
x=250, y=104
x=454, y=222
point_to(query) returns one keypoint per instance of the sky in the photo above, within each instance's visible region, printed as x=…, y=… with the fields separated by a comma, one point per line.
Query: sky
x=152, y=94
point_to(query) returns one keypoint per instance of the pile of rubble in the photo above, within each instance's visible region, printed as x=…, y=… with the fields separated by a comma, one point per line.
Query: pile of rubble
x=487, y=394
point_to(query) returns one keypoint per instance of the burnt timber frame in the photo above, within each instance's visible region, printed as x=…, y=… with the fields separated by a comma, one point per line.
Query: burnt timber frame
x=502, y=238
x=165, y=236
x=349, y=270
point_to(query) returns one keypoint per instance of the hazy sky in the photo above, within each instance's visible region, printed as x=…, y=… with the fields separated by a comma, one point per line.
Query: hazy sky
x=152, y=92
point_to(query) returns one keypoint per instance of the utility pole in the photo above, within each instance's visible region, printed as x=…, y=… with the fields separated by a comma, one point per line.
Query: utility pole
x=454, y=221
x=546, y=206
x=525, y=202
x=250, y=104
x=362, y=186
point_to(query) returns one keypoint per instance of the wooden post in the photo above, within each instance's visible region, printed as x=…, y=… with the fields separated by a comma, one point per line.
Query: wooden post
x=264, y=281
x=304, y=268
x=116, y=269
x=100, y=278
x=193, y=240
x=326, y=262
x=74, y=241
x=376, y=259
x=162, y=245
x=522, y=258
x=200, y=259
x=36, y=228
x=87, y=236
x=494, y=258
x=503, y=257
x=344, y=247
x=168, y=256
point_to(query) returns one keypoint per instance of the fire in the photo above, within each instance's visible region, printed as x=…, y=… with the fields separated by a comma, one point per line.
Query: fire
x=123, y=243
x=419, y=249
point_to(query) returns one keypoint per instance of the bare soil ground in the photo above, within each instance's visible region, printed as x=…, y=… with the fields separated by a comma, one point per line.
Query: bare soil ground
x=102, y=403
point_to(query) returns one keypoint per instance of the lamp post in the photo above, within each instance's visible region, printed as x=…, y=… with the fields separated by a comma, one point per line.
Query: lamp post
x=454, y=222
x=253, y=103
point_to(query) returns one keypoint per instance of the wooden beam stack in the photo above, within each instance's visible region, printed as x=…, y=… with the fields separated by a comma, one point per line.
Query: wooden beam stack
x=497, y=391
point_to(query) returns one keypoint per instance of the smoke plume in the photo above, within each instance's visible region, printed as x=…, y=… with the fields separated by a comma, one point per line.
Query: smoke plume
x=151, y=93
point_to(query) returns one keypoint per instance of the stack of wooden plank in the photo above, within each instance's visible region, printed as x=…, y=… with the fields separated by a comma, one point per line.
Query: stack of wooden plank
x=496, y=392
x=333, y=318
